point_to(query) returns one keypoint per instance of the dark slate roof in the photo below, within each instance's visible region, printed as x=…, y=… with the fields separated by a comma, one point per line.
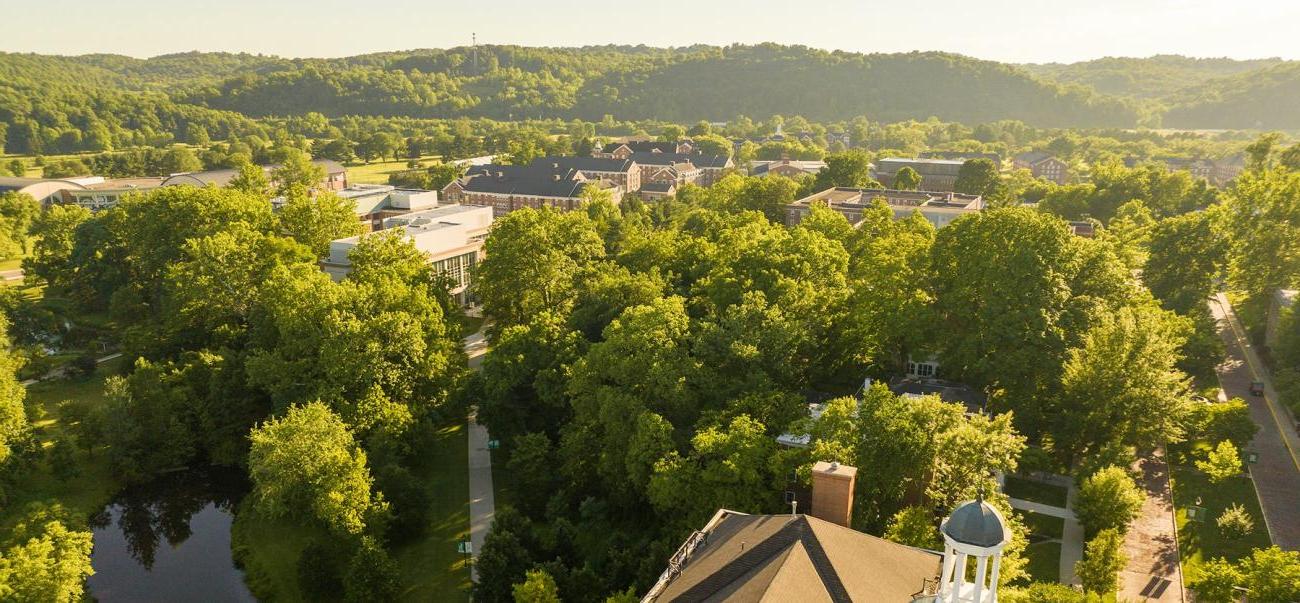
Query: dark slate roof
x=947, y=391
x=1034, y=157
x=659, y=187
x=748, y=558
x=523, y=183
x=584, y=164
x=643, y=146
x=698, y=159
x=533, y=170
x=978, y=524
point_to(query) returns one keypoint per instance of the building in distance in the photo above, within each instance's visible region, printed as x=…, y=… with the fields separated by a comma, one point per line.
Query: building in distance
x=335, y=178
x=936, y=174
x=451, y=236
x=790, y=168
x=940, y=208
x=1043, y=165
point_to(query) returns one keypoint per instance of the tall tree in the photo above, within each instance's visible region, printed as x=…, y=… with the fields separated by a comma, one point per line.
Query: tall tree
x=906, y=179
x=307, y=460
x=977, y=177
x=1121, y=386
x=533, y=259
x=315, y=220
x=1102, y=562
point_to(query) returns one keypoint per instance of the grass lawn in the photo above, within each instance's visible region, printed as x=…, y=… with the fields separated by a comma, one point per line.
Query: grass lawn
x=377, y=172
x=1042, y=526
x=87, y=492
x=1199, y=541
x=11, y=263
x=1044, y=561
x=431, y=568
x=1024, y=489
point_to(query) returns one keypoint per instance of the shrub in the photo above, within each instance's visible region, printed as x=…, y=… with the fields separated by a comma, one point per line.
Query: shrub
x=1217, y=582
x=372, y=575
x=319, y=568
x=1235, y=522
x=1222, y=464
x=84, y=365
x=1108, y=500
x=1099, y=569
x=409, y=500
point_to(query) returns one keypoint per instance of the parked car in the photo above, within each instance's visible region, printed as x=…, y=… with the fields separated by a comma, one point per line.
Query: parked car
x=1256, y=388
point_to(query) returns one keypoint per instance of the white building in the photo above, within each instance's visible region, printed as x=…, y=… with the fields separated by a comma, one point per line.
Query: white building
x=452, y=236
x=374, y=203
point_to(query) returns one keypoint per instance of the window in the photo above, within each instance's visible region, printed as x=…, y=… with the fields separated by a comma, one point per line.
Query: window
x=925, y=369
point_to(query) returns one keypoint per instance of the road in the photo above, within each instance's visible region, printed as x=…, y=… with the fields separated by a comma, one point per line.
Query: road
x=482, y=503
x=1277, y=470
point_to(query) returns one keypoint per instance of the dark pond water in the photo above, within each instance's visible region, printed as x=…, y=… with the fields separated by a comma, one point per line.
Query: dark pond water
x=170, y=541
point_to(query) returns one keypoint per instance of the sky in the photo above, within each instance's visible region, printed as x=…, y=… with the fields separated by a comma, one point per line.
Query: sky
x=1003, y=30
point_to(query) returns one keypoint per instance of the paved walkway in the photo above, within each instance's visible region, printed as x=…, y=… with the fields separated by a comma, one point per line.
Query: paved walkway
x=59, y=373
x=1153, y=572
x=1072, y=532
x=1277, y=470
x=482, y=503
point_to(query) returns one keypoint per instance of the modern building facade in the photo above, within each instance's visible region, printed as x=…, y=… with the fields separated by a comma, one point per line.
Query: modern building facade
x=452, y=236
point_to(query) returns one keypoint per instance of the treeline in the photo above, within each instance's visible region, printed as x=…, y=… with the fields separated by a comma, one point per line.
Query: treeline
x=49, y=105
x=1153, y=77
x=507, y=82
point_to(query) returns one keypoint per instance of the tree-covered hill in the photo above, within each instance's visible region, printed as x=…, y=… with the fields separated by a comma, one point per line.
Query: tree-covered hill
x=684, y=84
x=1152, y=77
x=1264, y=98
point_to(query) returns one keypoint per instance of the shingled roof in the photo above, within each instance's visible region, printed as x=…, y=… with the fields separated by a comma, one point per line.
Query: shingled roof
x=584, y=164
x=796, y=558
x=699, y=159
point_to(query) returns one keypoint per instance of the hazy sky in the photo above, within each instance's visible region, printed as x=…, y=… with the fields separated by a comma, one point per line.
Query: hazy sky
x=1006, y=30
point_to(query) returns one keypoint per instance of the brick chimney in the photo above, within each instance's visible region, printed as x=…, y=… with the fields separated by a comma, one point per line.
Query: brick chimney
x=832, y=492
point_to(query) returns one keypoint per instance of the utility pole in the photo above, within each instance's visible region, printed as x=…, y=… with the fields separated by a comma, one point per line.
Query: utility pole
x=473, y=37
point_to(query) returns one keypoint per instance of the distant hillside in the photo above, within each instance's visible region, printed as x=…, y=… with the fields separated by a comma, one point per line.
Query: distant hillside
x=1267, y=98
x=60, y=100
x=1152, y=77
x=684, y=84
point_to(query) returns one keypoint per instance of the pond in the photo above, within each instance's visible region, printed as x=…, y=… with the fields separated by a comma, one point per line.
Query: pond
x=169, y=541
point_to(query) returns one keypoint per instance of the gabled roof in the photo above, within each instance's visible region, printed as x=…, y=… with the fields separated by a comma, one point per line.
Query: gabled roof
x=523, y=180
x=660, y=186
x=698, y=159
x=642, y=146
x=533, y=170
x=797, y=558
x=584, y=164
x=1034, y=157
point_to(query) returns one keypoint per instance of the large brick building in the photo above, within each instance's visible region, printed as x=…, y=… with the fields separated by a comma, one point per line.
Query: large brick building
x=936, y=174
x=506, y=188
x=682, y=168
x=1043, y=165
x=624, y=150
x=623, y=172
